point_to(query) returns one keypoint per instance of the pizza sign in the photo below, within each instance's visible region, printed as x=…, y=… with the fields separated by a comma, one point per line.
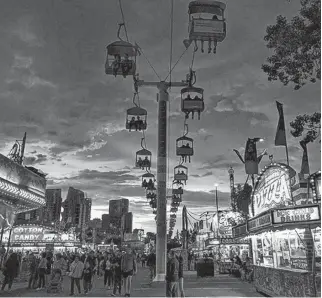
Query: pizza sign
x=272, y=190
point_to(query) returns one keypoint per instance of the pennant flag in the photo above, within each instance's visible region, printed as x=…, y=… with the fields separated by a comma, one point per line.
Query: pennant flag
x=259, y=158
x=239, y=155
x=251, y=163
x=280, y=138
x=305, y=167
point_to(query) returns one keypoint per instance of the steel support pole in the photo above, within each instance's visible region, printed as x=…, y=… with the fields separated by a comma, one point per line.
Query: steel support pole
x=161, y=237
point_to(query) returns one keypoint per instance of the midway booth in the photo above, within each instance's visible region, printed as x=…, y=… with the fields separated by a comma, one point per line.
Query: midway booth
x=285, y=237
x=21, y=189
x=38, y=238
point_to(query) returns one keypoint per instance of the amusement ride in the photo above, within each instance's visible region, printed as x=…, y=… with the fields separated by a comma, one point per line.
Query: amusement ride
x=206, y=23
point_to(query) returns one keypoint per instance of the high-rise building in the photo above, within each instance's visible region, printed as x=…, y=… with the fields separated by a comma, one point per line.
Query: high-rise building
x=106, y=219
x=117, y=208
x=128, y=222
x=53, y=205
x=95, y=223
x=77, y=208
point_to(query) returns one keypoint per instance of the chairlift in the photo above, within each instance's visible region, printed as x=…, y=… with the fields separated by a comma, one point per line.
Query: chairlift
x=121, y=57
x=177, y=188
x=143, y=158
x=148, y=180
x=192, y=100
x=184, y=146
x=206, y=23
x=180, y=173
x=136, y=117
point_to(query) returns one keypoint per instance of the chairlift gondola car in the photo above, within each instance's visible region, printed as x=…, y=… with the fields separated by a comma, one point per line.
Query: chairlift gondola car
x=177, y=188
x=206, y=23
x=173, y=216
x=192, y=101
x=153, y=204
x=148, y=180
x=180, y=173
x=175, y=204
x=121, y=59
x=151, y=194
x=176, y=199
x=174, y=209
x=184, y=147
x=136, y=119
x=143, y=159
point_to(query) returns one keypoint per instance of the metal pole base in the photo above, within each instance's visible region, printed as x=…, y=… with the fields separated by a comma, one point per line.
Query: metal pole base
x=159, y=278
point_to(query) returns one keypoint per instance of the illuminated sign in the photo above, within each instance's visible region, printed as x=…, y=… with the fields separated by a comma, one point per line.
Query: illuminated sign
x=22, y=177
x=228, y=219
x=259, y=222
x=38, y=234
x=233, y=241
x=272, y=189
x=239, y=231
x=296, y=214
x=208, y=26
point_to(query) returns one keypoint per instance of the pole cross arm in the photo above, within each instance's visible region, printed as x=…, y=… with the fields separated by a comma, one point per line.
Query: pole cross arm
x=162, y=85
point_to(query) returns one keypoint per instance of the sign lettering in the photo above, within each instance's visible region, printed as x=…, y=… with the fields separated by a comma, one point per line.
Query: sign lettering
x=259, y=222
x=295, y=215
x=273, y=190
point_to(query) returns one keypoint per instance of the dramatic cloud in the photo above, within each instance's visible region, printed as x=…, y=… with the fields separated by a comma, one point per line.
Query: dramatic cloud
x=54, y=88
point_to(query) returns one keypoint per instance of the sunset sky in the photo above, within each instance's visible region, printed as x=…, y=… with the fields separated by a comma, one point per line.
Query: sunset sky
x=53, y=86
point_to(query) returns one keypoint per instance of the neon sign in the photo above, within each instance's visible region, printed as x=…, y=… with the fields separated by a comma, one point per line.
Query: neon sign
x=296, y=215
x=272, y=189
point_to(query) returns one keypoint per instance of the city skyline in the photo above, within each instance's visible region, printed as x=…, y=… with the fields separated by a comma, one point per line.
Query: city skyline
x=54, y=87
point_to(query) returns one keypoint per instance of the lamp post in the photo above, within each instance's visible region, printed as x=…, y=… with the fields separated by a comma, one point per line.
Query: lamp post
x=217, y=210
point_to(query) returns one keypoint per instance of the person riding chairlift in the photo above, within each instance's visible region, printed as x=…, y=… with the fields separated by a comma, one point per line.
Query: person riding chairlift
x=126, y=65
x=116, y=64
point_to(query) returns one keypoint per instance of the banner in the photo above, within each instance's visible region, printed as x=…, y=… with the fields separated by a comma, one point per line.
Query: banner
x=280, y=138
x=305, y=167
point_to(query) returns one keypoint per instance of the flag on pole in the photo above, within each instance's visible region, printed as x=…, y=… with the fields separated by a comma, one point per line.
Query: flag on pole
x=280, y=138
x=305, y=167
x=239, y=155
x=251, y=163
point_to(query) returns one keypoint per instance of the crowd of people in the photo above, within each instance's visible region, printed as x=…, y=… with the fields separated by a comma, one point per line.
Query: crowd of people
x=47, y=271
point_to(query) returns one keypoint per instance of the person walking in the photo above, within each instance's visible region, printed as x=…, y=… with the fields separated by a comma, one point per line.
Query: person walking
x=76, y=272
x=11, y=269
x=151, y=263
x=181, y=290
x=32, y=266
x=117, y=275
x=172, y=275
x=87, y=277
x=42, y=271
x=108, y=273
x=128, y=267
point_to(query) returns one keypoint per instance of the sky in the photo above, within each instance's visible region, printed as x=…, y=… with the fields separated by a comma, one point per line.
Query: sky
x=53, y=86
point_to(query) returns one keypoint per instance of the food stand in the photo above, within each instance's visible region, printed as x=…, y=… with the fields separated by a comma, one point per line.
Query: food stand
x=227, y=246
x=20, y=190
x=285, y=237
x=38, y=238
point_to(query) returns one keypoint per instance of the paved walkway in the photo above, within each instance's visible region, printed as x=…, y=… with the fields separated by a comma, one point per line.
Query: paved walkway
x=222, y=285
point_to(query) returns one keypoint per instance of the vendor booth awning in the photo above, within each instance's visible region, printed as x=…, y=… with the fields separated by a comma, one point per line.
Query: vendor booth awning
x=20, y=188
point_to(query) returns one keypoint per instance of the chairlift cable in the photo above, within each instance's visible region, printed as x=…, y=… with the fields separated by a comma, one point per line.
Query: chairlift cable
x=123, y=20
x=171, y=41
x=173, y=67
x=150, y=64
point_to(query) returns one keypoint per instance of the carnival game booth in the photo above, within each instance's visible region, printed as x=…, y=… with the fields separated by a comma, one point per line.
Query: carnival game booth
x=226, y=246
x=285, y=237
x=21, y=189
x=38, y=238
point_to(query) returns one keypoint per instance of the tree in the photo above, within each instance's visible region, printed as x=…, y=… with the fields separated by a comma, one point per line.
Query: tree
x=308, y=126
x=241, y=198
x=297, y=47
x=150, y=237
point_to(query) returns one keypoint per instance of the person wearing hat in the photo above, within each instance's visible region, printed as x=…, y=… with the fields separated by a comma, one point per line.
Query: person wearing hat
x=172, y=275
